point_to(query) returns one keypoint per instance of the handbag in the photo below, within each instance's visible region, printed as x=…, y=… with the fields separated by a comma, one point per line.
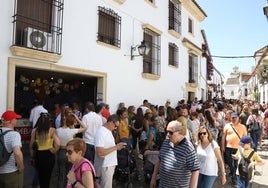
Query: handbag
x=254, y=126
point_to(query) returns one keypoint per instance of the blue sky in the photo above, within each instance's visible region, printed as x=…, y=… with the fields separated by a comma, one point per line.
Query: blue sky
x=234, y=28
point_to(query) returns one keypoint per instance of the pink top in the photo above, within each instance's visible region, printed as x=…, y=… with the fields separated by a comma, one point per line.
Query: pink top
x=82, y=166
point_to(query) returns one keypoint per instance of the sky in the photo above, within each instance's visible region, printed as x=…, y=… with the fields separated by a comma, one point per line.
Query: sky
x=234, y=28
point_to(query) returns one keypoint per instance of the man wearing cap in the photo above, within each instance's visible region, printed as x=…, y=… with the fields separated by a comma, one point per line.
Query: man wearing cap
x=11, y=173
x=232, y=133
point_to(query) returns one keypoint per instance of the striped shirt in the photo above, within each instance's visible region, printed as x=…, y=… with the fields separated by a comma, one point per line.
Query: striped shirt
x=176, y=164
x=11, y=139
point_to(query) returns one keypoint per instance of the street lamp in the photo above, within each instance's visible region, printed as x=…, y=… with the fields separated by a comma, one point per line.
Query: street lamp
x=265, y=11
x=143, y=49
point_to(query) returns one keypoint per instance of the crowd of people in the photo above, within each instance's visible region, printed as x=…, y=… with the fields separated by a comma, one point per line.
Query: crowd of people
x=194, y=141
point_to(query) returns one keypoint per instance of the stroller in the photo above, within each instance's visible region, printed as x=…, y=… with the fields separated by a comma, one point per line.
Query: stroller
x=125, y=165
x=150, y=158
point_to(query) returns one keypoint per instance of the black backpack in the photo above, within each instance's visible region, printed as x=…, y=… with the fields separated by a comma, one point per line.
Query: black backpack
x=244, y=172
x=4, y=154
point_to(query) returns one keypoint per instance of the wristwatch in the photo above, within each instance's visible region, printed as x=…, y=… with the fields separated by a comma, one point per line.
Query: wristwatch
x=74, y=183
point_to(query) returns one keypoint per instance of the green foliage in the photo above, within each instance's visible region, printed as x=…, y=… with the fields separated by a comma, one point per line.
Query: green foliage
x=256, y=95
x=263, y=72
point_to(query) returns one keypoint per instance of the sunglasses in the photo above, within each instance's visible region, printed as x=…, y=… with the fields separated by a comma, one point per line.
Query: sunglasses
x=69, y=152
x=170, y=132
x=202, y=133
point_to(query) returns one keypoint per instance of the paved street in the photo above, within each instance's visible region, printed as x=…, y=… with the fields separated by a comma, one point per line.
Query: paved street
x=260, y=179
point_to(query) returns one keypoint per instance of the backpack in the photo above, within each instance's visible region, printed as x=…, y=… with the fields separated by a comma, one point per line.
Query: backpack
x=4, y=154
x=244, y=172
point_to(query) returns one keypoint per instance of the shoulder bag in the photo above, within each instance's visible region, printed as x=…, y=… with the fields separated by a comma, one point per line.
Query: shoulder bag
x=96, y=184
x=235, y=131
x=253, y=126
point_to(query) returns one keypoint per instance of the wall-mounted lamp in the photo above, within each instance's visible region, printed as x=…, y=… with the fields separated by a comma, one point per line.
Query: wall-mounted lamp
x=265, y=11
x=143, y=49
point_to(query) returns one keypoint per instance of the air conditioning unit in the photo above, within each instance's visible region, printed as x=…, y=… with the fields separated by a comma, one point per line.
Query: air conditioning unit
x=37, y=39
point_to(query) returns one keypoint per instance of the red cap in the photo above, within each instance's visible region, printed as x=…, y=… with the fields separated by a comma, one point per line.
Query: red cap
x=10, y=115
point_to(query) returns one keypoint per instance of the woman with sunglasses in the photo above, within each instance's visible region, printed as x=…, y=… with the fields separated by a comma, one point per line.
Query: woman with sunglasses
x=82, y=171
x=209, y=154
x=66, y=133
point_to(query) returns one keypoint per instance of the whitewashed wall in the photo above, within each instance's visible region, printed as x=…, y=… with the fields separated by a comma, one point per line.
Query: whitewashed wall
x=125, y=83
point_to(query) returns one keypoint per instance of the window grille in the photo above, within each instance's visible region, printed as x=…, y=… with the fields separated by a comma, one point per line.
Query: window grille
x=37, y=24
x=174, y=18
x=109, y=28
x=151, y=62
x=193, y=68
x=173, y=54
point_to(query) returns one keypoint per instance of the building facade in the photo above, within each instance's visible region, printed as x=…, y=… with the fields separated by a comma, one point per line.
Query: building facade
x=77, y=51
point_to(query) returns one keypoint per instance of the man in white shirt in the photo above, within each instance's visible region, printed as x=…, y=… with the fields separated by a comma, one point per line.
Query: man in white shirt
x=36, y=111
x=106, y=151
x=92, y=121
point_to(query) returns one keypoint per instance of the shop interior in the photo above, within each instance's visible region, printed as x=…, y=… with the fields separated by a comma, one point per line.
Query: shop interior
x=53, y=88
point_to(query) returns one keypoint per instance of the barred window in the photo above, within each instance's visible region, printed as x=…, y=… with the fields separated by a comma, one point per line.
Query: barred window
x=173, y=52
x=151, y=62
x=193, y=68
x=109, y=28
x=174, y=18
x=38, y=24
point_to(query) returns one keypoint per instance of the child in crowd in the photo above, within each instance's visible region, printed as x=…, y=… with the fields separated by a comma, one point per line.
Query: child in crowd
x=246, y=150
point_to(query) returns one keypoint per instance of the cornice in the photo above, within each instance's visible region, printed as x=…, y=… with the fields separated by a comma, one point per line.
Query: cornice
x=194, y=9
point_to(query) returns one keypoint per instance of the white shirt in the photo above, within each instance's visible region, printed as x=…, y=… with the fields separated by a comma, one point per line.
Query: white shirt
x=104, y=138
x=57, y=121
x=92, y=121
x=65, y=134
x=35, y=114
x=207, y=159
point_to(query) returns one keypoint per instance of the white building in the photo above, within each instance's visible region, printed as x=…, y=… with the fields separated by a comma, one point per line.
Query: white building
x=258, y=84
x=236, y=87
x=232, y=85
x=80, y=51
x=217, y=79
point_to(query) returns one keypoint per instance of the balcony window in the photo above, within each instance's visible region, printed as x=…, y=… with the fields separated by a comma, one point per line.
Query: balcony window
x=37, y=25
x=193, y=68
x=109, y=28
x=174, y=19
x=151, y=62
x=173, y=54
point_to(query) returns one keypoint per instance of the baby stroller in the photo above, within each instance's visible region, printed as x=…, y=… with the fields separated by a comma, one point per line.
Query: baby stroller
x=125, y=164
x=150, y=158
